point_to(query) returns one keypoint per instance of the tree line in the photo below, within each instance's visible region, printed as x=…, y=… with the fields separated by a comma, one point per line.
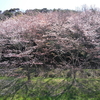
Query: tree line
x=16, y=11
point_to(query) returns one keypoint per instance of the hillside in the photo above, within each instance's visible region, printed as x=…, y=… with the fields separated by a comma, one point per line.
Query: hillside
x=58, y=37
x=51, y=55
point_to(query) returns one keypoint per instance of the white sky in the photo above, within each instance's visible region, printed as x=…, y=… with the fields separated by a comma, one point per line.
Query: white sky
x=50, y=4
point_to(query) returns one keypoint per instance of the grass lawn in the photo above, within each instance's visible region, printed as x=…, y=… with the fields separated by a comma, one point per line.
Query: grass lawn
x=41, y=88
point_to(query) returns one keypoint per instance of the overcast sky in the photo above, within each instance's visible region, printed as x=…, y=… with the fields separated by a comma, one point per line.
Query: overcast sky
x=50, y=4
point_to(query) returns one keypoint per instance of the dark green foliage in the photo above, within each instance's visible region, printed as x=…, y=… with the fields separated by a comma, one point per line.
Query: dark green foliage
x=7, y=13
x=14, y=10
x=44, y=10
x=11, y=12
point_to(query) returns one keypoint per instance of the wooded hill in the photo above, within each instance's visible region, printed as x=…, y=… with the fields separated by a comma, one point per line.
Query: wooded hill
x=44, y=40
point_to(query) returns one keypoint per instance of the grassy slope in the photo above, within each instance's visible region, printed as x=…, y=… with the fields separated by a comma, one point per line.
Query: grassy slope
x=86, y=87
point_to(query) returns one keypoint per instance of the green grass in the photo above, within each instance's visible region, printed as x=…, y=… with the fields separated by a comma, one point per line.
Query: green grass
x=86, y=87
